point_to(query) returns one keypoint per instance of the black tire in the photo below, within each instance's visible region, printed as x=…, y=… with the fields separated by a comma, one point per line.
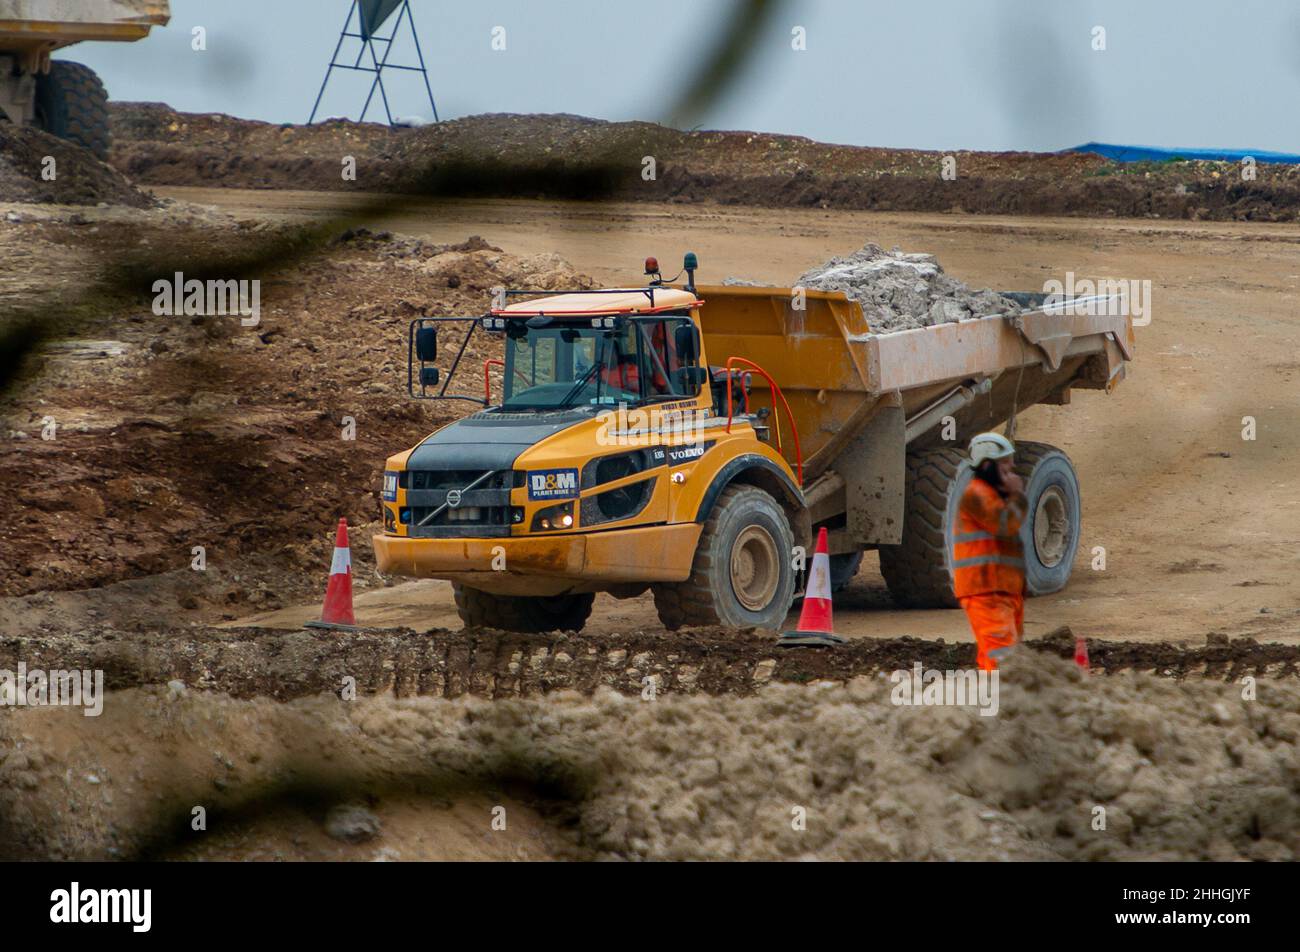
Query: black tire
x=1052, y=529
x=916, y=570
x=531, y=614
x=72, y=104
x=710, y=596
x=844, y=568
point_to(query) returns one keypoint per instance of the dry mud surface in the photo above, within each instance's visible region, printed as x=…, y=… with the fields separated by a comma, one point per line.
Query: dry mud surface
x=1181, y=770
x=563, y=156
x=38, y=167
x=176, y=431
x=1197, y=523
x=252, y=662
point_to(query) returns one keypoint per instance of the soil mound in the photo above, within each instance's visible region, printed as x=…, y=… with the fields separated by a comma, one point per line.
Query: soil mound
x=36, y=167
x=1069, y=767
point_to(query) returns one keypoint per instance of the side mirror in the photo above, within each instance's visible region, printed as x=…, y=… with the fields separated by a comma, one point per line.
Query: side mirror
x=426, y=345
x=428, y=376
x=687, y=341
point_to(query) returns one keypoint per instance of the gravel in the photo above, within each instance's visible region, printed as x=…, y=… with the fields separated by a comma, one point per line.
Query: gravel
x=901, y=291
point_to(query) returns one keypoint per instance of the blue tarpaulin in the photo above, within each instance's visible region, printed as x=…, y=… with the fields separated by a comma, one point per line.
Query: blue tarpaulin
x=1146, y=153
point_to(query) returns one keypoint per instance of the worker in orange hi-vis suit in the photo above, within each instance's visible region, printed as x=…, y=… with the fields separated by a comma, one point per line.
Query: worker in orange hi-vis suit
x=988, y=557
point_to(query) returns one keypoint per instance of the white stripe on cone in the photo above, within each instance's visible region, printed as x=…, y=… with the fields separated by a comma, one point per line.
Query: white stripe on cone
x=342, y=561
x=819, y=578
x=815, y=624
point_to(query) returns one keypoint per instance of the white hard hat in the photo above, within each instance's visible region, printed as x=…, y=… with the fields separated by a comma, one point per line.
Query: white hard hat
x=989, y=446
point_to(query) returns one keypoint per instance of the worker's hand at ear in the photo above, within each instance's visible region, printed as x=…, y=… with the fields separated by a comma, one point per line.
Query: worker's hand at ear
x=1010, y=483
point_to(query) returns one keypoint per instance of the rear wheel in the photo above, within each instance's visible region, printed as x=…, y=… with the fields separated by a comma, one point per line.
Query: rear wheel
x=72, y=104
x=916, y=570
x=1052, y=536
x=531, y=614
x=742, y=575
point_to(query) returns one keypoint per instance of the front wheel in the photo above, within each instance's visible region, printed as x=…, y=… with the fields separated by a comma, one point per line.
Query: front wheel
x=743, y=572
x=844, y=568
x=531, y=614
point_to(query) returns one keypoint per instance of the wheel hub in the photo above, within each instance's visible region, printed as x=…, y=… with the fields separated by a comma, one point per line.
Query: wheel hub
x=1051, y=527
x=755, y=568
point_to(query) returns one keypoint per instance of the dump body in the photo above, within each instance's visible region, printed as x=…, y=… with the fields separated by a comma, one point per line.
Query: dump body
x=862, y=400
x=38, y=27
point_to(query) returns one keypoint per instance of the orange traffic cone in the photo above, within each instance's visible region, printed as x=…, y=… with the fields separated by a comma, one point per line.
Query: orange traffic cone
x=337, y=612
x=815, y=625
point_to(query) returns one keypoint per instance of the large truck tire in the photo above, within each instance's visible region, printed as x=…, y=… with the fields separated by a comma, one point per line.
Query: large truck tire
x=531, y=614
x=1052, y=534
x=844, y=569
x=743, y=572
x=916, y=570
x=71, y=103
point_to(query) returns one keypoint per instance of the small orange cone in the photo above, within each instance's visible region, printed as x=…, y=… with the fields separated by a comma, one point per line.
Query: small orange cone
x=1081, y=652
x=815, y=624
x=337, y=611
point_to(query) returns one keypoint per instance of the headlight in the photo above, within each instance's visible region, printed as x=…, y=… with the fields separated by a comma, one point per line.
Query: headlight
x=554, y=517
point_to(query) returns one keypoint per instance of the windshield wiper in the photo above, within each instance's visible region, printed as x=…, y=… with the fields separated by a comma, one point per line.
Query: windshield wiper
x=573, y=391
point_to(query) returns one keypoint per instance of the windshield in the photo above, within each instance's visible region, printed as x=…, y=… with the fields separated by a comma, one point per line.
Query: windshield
x=571, y=364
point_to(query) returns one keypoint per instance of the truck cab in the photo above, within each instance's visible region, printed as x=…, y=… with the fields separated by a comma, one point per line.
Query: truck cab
x=608, y=445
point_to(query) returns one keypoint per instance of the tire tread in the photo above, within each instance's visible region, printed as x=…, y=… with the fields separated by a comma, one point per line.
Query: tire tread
x=522, y=613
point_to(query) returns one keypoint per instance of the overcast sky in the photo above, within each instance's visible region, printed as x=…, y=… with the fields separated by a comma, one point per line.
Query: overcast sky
x=933, y=74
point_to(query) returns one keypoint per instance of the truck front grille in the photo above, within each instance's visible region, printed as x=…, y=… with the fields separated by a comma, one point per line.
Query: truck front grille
x=483, y=510
x=445, y=479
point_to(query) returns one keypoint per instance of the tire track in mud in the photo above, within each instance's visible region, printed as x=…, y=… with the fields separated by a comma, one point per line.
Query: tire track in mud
x=252, y=662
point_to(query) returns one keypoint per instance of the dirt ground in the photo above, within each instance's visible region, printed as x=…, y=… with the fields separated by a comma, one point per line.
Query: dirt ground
x=38, y=167
x=252, y=661
x=1173, y=770
x=144, y=436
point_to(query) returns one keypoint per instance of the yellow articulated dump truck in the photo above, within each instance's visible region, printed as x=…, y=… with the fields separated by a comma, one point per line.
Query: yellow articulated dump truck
x=65, y=99
x=689, y=440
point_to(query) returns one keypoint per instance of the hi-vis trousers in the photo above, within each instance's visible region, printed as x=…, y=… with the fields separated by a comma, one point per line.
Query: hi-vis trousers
x=998, y=621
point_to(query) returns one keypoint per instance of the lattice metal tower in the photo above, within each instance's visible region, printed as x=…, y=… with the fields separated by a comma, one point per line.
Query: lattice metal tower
x=370, y=16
